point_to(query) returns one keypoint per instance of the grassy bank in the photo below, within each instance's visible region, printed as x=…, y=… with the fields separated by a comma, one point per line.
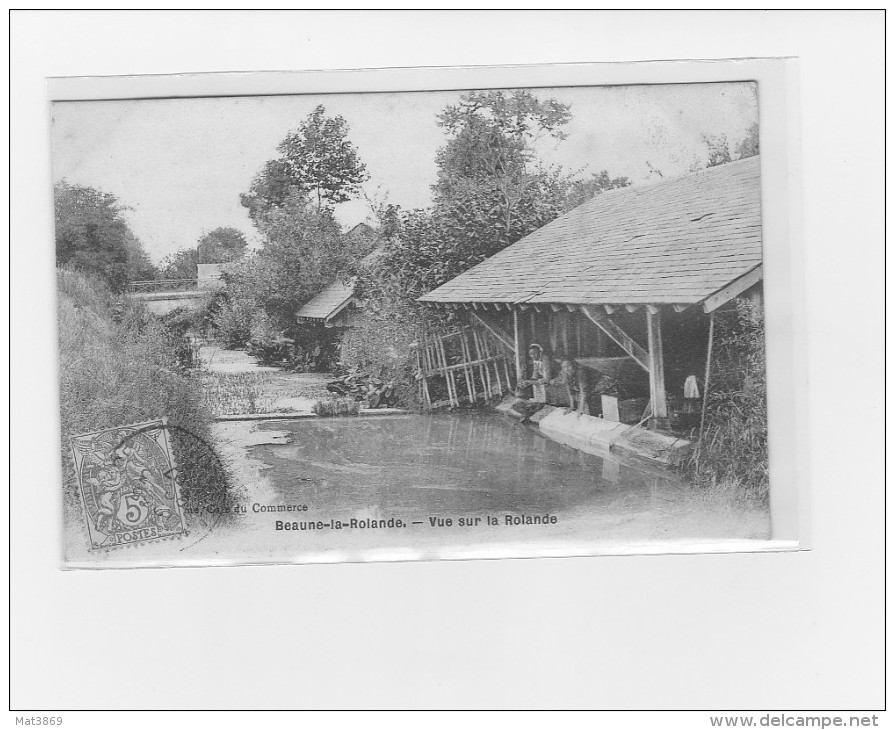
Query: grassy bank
x=117, y=366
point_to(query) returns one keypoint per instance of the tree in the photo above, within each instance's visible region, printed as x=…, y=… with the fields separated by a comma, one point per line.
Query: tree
x=582, y=190
x=490, y=192
x=303, y=250
x=180, y=264
x=92, y=235
x=748, y=146
x=318, y=160
x=221, y=245
x=718, y=149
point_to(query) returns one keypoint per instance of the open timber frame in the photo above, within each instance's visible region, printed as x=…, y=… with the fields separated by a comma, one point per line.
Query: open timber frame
x=683, y=247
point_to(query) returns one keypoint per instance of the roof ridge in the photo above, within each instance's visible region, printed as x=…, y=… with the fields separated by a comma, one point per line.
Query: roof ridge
x=714, y=169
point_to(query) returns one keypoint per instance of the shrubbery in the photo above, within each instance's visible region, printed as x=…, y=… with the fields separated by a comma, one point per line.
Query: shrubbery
x=119, y=366
x=733, y=448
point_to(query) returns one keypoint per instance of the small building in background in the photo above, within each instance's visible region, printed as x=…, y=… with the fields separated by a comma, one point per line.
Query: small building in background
x=332, y=306
x=210, y=276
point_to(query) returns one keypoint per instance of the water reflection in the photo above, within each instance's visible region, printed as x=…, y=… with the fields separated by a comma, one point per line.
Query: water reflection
x=448, y=463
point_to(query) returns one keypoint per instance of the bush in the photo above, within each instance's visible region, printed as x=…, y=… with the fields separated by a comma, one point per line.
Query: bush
x=269, y=344
x=233, y=323
x=336, y=407
x=118, y=367
x=379, y=343
x=733, y=447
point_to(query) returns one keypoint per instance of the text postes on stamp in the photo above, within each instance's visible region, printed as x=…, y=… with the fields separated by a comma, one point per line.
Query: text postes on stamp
x=128, y=483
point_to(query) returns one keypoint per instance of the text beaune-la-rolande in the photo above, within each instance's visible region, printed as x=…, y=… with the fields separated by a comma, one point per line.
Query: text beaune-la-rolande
x=398, y=523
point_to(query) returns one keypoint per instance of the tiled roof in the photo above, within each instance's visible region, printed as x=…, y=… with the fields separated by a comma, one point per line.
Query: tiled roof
x=328, y=302
x=673, y=242
x=336, y=295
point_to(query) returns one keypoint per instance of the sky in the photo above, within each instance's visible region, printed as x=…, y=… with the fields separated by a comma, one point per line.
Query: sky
x=181, y=164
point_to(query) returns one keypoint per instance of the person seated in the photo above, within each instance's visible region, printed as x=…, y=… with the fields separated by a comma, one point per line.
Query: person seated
x=575, y=379
x=541, y=373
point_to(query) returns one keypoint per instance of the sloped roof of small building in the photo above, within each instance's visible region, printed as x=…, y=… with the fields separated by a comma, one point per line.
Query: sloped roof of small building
x=677, y=241
x=338, y=294
x=329, y=302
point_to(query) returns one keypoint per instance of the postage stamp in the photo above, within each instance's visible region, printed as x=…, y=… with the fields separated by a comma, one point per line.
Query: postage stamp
x=128, y=483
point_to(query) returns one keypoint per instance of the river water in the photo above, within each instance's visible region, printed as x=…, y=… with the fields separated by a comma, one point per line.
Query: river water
x=462, y=463
x=461, y=485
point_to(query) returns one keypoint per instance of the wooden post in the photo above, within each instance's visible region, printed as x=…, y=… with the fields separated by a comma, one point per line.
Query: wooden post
x=565, y=320
x=577, y=318
x=656, y=369
x=519, y=375
x=705, y=383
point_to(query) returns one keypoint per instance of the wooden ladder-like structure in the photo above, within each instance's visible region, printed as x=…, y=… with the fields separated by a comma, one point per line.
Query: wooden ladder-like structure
x=466, y=364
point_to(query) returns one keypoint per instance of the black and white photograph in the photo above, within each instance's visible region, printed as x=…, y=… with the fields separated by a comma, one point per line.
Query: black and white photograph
x=432, y=360
x=411, y=325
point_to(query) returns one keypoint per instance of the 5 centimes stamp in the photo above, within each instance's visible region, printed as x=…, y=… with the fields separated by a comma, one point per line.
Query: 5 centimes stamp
x=127, y=478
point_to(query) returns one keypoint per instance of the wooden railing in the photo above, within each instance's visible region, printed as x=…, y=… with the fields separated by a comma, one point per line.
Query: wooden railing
x=163, y=285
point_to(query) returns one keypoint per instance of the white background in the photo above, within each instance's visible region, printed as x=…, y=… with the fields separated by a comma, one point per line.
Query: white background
x=768, y=631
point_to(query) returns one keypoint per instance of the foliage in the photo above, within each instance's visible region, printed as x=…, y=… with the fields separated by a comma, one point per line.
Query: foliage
x=221, y=245
x=582, y=190
x=718, y=150
x=92, y=236
x=119, y=367
x=303, y=250
x=318, y=162
x=489, y=193
x=380, y=341
x=183, y=327
x=733, y=446
x=180, y=264
x=267, y=343
x=748, y=146
x=228, y=394
x=336, y=407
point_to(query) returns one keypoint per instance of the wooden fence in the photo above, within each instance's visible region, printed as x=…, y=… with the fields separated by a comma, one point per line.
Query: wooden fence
x=464, y=365
x=163, y=285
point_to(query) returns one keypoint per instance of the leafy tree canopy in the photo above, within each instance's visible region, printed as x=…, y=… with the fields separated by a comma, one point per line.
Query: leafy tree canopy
x=748, y=146
x=718, y=147
x=317, y=161
x=180, y=264
x=490, y=192
x=582, y=190
x=92, y=235
x=221, y=245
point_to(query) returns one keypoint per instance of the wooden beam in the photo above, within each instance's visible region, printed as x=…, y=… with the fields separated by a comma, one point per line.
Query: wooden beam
x=680, y=307
x=619, y=336
x=609, y=308
x=656, y=366
x=632, y=307
x=734, y=289
x=503, y=337
x=652, y=309
x=519, y=375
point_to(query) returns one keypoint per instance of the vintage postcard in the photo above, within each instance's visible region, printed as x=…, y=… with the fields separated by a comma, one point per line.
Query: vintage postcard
x=501, y=320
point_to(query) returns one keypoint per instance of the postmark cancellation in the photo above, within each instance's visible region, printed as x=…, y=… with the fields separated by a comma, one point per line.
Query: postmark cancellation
x=127, y=479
